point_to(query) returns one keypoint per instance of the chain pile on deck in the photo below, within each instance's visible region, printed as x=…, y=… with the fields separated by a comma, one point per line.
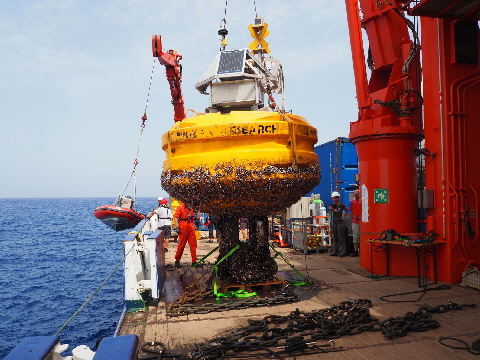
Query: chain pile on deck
x=178, y=309
x=298, y=332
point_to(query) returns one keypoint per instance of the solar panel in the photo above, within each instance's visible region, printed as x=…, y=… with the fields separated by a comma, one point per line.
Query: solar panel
x=231, y=61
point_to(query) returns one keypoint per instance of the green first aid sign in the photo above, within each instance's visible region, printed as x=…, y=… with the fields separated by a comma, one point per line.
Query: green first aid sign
x=380, y=196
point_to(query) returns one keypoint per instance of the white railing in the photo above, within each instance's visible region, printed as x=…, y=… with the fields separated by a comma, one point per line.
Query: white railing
x=144, y=267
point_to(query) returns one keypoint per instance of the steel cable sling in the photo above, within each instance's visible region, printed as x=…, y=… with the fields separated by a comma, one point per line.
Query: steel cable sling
x=247, y=302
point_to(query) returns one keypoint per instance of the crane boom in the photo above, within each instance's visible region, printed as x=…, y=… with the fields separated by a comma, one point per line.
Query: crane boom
x=171, y=60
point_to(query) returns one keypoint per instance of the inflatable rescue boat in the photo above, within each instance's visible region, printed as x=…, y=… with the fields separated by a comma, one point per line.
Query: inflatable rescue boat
x=119, y=217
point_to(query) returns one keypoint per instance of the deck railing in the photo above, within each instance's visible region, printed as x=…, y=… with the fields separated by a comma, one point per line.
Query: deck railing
x=144, y=266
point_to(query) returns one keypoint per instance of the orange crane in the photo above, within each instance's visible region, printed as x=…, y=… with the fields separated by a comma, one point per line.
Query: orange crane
x=417, y=129
x=173, y=69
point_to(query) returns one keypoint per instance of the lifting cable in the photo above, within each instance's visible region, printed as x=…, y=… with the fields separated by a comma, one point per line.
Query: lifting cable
x=223, y=32
x=94, y=293
x=473, y=349
x=448, y=341
x=225, y=14
x=425, y=290
x=422, y=292
x=135, y=162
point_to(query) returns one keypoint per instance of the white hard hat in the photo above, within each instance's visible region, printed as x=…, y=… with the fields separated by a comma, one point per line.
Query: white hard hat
x=335, y=193
x=160, y=198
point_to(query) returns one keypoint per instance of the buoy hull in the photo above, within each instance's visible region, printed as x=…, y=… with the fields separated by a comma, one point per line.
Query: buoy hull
x=245, y=162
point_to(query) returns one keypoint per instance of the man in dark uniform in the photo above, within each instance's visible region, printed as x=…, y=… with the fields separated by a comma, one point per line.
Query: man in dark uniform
x=338, y=226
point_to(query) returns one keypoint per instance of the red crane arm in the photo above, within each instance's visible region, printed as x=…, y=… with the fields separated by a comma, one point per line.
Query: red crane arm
x=173, y=69
x=393, y=60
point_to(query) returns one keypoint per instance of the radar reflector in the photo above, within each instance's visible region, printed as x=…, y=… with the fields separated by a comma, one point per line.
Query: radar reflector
x=259, y=32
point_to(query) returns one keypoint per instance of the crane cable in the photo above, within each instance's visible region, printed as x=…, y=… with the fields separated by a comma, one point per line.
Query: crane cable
x=225, y=14
x=223, y=31
x=135, y=162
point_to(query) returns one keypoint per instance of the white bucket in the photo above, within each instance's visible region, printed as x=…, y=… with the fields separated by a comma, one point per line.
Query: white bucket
x=82, y=352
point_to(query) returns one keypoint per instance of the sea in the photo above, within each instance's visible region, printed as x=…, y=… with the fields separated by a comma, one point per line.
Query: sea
x=54, y=254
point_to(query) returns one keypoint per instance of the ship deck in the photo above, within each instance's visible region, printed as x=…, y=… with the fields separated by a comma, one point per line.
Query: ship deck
x=342, y=280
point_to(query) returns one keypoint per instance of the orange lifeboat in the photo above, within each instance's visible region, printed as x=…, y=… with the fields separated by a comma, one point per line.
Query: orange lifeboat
x=119, y=217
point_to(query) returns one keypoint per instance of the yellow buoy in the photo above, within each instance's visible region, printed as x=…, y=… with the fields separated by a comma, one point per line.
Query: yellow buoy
x=241, y=163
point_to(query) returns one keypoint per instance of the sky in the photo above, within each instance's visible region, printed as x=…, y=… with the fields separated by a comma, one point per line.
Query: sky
x=75, y=78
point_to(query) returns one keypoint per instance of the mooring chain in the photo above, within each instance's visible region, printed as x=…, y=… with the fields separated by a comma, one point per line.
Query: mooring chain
x=176, y=309
x=188, y=298
x=418, y=321
x=298, y=332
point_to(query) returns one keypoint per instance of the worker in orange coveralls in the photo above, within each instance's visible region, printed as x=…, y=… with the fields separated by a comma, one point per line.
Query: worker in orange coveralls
x=185, y=218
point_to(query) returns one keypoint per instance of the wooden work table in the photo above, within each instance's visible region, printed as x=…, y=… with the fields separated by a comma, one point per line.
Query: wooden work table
x=422, y=250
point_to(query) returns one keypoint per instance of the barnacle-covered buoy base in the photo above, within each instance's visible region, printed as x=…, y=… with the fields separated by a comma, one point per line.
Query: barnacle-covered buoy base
x=238, y=191
x=251, y=261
